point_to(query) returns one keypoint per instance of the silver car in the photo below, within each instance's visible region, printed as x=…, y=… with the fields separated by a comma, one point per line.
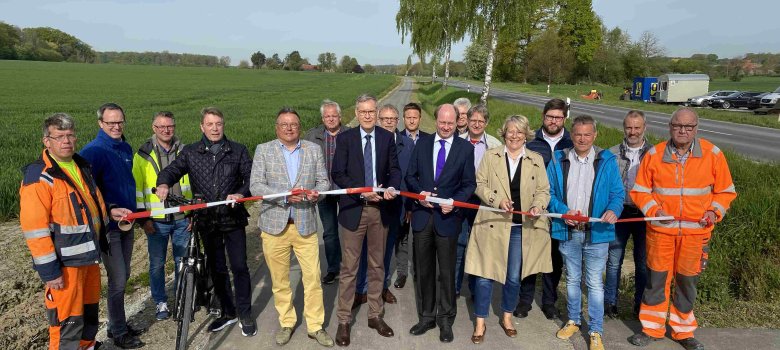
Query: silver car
x=704, y=100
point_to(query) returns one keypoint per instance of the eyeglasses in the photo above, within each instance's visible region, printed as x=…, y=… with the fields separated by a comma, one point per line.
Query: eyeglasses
x=62, y=138
x=114, y=124
x=553, y=117
x=164, y=127
x=683, y=127
x=367, y=113
x=387, y=119
x=293, y=126
x=478, y=122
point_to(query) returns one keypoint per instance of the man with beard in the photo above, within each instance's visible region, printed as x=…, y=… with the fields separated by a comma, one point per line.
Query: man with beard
x=552, y=136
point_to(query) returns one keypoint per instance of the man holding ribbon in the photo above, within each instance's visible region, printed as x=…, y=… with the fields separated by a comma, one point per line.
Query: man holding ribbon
x=290, y=223
x=365, y=157
x=219, y=169
x=442, y=165
x=687, y=177
x=585, y=182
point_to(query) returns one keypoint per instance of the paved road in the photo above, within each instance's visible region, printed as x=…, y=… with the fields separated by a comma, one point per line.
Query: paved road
x=752, y=141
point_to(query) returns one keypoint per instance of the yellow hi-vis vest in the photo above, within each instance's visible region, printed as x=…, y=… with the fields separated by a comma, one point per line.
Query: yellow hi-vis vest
x=145, y=170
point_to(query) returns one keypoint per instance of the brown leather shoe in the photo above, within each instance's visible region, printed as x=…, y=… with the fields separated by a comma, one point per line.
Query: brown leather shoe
x=388, y=297
x=359, y=299
x=510, y=332
x=381, y=327
x=478, y=339
x=342, y=334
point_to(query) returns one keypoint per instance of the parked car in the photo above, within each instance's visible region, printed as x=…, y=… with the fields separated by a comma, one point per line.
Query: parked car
x=704, y=100
x=775, y=109
x=771, y=99
x=755, y=101
x=735, y=100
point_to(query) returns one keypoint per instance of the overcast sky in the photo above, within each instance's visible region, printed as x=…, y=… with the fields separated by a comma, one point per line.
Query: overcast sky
x=364, y=29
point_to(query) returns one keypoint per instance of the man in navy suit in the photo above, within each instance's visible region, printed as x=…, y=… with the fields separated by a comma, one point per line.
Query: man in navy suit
x=412, y=114
x=365, y=156
x=442, y=165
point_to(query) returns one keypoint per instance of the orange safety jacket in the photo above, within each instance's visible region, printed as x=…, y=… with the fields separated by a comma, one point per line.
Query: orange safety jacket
x=58, y=225
x=683, y=189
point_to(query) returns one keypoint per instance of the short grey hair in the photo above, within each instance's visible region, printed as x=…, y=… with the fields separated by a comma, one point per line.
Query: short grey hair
x=60, y=121
x=389, y=107
x=462, y=101
x=482, y=110
x=364, y=98
x=520, y=122
x=584, y=119
x=684, y=109
x=634, y=113
x=327, y=103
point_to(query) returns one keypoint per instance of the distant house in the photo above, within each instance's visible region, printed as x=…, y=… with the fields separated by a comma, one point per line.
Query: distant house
x=309, y=67
x=358, y=69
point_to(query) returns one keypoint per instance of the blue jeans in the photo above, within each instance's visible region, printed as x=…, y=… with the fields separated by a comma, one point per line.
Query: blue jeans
x=617, y=250
x=460, y=259
x=510, y=291
x=328, y=209
x=577, y=252
x=157, y=243
x=362, y=278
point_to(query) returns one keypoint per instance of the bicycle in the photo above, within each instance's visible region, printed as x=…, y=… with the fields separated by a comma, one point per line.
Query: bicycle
x=193, y=290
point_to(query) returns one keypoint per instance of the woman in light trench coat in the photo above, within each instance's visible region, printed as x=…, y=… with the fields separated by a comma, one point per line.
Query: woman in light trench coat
x=501, y=245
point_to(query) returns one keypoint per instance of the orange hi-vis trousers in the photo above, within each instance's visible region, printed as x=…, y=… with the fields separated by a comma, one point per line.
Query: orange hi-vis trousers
x=73, y=310
x=678, y=258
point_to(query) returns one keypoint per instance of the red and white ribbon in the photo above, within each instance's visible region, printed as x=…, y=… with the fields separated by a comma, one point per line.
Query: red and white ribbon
x=359, y=190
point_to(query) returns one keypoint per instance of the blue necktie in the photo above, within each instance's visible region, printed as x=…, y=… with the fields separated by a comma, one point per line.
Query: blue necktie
x=368, y=163
x=440, y=159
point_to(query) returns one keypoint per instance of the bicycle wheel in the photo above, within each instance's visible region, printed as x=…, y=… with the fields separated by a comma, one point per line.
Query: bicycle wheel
x=186, y=309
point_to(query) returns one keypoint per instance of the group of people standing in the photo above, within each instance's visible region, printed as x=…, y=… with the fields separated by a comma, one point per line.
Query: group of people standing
x=66, y=200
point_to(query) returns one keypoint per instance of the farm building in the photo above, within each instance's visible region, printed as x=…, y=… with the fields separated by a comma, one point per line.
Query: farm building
x=677, y=88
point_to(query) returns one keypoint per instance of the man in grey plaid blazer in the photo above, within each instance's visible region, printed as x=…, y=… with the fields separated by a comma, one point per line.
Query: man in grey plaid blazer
x=289, y=224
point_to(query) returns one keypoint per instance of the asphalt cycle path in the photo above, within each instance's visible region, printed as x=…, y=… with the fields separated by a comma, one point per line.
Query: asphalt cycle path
x=755, y=142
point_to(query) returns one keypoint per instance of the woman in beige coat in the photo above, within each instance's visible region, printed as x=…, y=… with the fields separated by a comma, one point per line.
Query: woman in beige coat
x=510, y=178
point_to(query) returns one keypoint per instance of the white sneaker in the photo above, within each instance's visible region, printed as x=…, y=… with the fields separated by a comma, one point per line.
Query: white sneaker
x=162, y=311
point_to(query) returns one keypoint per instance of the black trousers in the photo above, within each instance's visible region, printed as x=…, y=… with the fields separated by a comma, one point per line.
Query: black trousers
x=549, y=281
x=216, y=241
x=431, y=249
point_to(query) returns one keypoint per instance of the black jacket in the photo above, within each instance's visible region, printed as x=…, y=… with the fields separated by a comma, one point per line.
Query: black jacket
x=214, y=176
x=540, y=145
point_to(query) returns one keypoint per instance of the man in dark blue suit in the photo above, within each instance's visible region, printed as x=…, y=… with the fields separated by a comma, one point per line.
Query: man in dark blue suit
x=388, y=120
x=442, y=165
x=365, y=156
x=412, y=115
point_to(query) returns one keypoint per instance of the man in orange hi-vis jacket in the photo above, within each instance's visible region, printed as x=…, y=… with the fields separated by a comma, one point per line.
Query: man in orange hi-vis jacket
x=63, y=219
x=688, y=178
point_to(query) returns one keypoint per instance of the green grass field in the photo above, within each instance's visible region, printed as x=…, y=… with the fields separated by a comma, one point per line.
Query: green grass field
x=741, y=286
x=612, y=94
x=31, y=91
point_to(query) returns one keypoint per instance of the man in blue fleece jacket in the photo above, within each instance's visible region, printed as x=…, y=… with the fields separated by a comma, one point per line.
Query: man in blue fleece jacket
x=112, y=167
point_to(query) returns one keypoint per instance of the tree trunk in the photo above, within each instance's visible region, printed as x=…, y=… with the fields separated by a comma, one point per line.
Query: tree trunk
x=447, y=63
x=489, y=68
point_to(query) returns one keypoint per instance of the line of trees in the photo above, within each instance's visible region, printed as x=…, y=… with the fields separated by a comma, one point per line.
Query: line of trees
x=42, y=44
x=548, y=41
x=326, y=62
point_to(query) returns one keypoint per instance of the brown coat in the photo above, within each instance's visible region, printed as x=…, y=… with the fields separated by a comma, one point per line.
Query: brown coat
x=488, y=249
